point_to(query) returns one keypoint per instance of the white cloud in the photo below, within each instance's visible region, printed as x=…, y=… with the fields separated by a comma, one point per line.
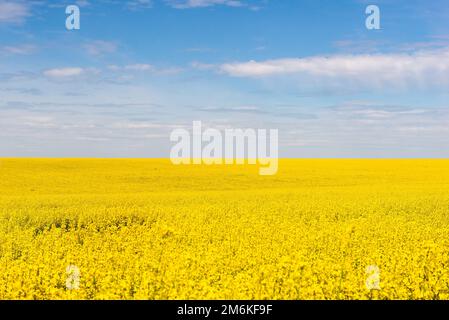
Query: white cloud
x=423, y=69
x=13, y=11
x=187, y=4
x=64, y=72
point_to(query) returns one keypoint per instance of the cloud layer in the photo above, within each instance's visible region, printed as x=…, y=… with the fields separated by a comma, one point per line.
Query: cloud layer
x=421, y=69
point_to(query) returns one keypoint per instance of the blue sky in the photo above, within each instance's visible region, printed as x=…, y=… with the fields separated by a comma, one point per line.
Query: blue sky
x=138, y=69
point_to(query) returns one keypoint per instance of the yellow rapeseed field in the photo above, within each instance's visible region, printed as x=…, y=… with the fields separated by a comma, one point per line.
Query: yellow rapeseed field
x=146, y=229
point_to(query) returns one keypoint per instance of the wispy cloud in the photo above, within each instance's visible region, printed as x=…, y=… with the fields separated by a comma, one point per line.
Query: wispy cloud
x=372, y=111
x=23, y=91
x=434, y=42
x=23, y=49
x=132, y=67
x=239, y=109
x=82, y=3
x=13, y=11
x=188, y=4
x=202, y=66
x=420, y=69
x=144, y=67
x=100, y=47
x=64, y=72
x=139, y=4
x=359, y=46
x=199, y=50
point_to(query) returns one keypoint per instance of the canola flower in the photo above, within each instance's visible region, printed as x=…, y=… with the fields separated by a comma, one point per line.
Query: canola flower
x=146, y=229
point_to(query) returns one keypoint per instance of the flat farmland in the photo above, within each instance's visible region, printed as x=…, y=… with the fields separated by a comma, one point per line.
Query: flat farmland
x=147, y=229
